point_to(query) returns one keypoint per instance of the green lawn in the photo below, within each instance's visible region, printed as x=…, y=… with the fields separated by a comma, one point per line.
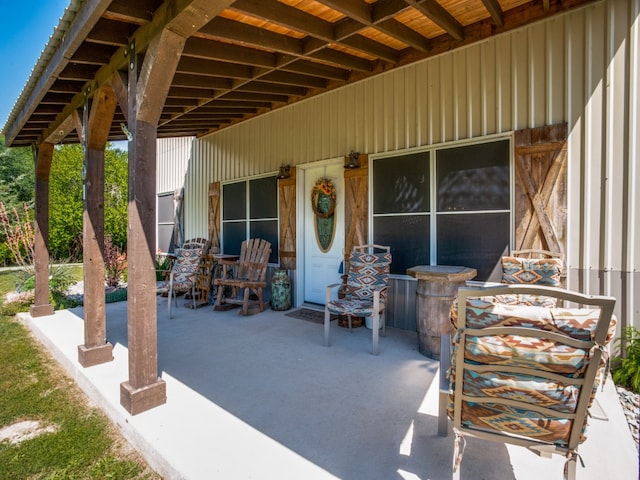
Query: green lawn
x=82, y=443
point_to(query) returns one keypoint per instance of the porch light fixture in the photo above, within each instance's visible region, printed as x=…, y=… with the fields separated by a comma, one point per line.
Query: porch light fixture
x=285, y=171
x=351, y=161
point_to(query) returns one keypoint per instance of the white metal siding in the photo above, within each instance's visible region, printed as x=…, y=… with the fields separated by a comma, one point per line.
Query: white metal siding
x=581, y=67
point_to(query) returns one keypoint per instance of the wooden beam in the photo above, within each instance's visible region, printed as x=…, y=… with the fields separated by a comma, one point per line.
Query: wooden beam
x=64, y=129
x=185, y=16
x=41, y=305
x=102, y=111
x=96, y=349
x=88, y=15
x=158, y=68
x=286, y=16
x=440, y=16
x=356, y=9
x=495, y=10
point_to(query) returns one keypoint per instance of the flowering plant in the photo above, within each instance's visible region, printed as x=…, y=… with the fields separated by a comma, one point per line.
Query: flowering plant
x=323, y=198
x=115, y=262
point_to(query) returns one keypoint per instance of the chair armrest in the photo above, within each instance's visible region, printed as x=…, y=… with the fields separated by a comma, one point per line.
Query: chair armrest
x=481, y=284
x=328, y=290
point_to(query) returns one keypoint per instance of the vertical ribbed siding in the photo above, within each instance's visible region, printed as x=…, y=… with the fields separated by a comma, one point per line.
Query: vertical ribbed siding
x=581, y=68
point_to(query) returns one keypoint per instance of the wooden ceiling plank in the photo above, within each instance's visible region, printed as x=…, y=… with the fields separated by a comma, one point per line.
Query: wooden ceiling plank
x=138, y=12
x=440, y=16
x=78, y=72
x=200, y=81
x=405, y=34
x=251, y=96
x=315, y=69
x=335, y=57
x=194, y=66
x=275, y=88
x=110, y=32
x=296, y=79
x=386, y=9
x=356, y=9
x=225, y=29
x=226, y=52
x=93, y=54
x=186, y=92
x=370, y=47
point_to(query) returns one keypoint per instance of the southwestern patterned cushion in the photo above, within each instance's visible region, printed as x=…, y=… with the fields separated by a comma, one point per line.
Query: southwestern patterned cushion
x=542, y=354
x=183, y=271
x=532, y=271
x=367, y=272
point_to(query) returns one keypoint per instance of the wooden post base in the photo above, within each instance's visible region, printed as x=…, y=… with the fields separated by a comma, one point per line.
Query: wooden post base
x=142, y=399
x=90, y=356
x=41, y=310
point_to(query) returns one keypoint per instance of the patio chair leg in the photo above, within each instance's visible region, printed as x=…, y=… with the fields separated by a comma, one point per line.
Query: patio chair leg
x=327, y=324
x=376, y=333
x=245, y=302
x=169, y=298
x=383, y=321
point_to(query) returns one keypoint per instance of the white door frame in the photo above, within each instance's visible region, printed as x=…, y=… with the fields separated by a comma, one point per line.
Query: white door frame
x=301, y=197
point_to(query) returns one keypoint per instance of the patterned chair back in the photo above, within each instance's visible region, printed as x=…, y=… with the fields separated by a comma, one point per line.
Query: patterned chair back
x=186, y=264
x=367, y=272
x=525, y=374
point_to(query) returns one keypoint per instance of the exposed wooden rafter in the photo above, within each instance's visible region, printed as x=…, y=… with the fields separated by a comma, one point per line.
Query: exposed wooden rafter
x=270, y=52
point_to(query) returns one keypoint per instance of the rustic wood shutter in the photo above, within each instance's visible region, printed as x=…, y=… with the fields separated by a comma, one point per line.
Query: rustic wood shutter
x=541, y=188
x=356, y=204
x=214, y=216
x=287, y=214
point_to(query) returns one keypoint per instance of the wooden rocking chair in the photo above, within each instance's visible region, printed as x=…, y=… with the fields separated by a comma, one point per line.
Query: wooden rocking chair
x=247, y=273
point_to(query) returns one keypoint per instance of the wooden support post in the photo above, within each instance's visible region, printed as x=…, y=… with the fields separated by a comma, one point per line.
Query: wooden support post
x=147, y=92
x=144, y=389
x=96, y=349
x=41, y=305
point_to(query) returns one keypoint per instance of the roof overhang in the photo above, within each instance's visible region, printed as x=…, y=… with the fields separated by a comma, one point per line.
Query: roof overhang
x=252, y=57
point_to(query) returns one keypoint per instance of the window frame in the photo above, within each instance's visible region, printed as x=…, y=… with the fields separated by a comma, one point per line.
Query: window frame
x=433, y=212
x=247, y=220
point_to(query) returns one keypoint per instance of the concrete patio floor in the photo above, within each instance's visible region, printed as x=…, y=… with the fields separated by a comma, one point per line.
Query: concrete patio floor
x=260, y=397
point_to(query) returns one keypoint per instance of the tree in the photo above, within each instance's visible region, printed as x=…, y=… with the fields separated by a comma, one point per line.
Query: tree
x=16, y=175
x=16, y=187
x=66, y=201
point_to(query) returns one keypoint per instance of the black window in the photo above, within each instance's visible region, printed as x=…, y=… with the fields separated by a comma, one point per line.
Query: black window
x=446, y=206
x=250, y=210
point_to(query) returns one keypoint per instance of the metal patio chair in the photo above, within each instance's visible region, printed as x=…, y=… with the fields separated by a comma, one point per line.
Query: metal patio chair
x=524, y=374
x=365, y=291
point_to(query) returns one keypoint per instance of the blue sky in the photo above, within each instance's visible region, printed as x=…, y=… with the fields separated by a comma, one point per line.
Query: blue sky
x=26, y=28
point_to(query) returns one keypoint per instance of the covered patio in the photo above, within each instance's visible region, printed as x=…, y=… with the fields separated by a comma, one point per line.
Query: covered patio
x=261, y=397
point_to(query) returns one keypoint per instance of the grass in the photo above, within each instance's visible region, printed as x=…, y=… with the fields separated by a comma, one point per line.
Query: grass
x=83, y=443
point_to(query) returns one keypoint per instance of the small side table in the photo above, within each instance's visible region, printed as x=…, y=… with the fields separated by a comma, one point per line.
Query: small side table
x=437, y=287
x=231, y=261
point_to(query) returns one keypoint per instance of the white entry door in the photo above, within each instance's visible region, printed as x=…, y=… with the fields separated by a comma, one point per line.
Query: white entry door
x=322, y=268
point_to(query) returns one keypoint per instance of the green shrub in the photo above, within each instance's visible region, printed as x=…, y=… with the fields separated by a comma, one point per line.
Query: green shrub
x=626, y=364
x=60, y=278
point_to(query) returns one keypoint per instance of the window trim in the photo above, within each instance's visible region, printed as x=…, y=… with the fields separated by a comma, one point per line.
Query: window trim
x=433, y=211
x=247, y=220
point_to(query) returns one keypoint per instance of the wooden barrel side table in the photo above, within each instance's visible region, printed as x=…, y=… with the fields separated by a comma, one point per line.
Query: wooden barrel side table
x=437, y=288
